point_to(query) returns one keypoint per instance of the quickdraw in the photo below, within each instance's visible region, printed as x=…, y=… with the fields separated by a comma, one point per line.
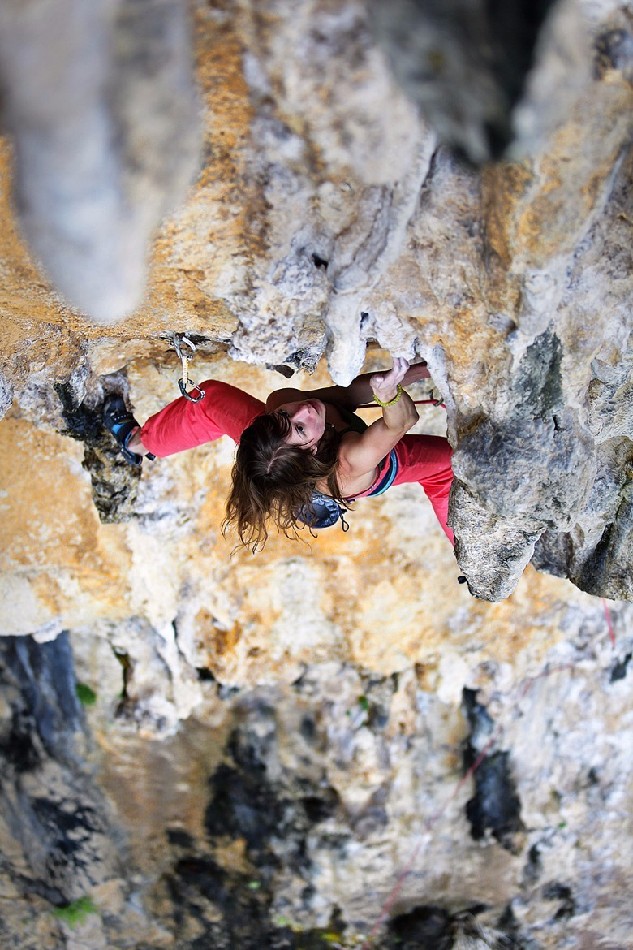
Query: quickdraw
x=179, y=341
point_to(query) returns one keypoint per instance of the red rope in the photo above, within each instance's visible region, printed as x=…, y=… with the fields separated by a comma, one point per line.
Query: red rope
x=430, y=822
x=416, y=402
x=607, y=614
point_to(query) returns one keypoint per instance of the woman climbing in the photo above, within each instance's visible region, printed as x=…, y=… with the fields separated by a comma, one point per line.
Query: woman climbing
x=302, y=458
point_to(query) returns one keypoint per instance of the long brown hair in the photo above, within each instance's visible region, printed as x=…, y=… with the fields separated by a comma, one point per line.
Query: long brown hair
x=273, y=480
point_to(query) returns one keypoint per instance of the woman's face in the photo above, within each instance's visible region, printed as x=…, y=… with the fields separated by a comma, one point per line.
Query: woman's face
x=307, y=422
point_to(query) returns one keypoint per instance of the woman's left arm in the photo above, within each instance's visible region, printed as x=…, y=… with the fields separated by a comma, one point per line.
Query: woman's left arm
x=358, y=393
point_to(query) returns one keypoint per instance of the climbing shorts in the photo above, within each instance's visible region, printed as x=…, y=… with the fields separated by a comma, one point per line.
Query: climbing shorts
x=426, y=459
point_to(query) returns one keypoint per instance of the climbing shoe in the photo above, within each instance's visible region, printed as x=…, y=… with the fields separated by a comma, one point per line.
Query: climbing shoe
x=118, y=420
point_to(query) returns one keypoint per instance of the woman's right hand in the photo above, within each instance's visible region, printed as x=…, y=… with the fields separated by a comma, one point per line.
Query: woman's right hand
x=385, y=385
x=360, y=454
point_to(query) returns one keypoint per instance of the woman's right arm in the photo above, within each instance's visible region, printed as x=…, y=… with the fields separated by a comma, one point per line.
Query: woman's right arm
x=361, y=453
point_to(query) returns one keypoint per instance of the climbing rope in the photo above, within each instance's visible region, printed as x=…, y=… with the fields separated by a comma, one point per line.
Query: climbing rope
x=428, y=825
x=607, y=614
x=180, y=342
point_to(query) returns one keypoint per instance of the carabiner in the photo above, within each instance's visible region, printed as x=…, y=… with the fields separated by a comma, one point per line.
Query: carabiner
x=177, y=341
x=182, y=386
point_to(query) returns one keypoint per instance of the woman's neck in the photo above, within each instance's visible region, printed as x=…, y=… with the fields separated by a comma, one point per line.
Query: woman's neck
x=334, y=417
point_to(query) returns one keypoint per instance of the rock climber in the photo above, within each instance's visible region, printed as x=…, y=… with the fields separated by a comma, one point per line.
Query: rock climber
x=303, y=457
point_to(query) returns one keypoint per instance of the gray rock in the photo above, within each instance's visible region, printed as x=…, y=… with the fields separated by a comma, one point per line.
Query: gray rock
x=492, y=551
x=467, y=65
x=100, y=104
x=6, y=395
x=53, y=823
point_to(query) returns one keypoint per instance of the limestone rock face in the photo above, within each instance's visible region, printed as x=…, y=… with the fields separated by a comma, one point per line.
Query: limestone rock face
x=468, y=65
x=54, y=824
x=270, y=744
x=326, y=217
x=284, y=814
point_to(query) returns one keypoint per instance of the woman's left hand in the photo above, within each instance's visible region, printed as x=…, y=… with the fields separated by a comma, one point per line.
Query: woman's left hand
x=385, y=385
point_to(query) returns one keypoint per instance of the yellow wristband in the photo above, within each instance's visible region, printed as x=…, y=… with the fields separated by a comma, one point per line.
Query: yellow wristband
x=391, y=402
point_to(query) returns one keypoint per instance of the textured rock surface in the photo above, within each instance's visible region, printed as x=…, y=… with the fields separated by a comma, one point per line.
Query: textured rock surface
x=326, y=217
x=467, y=65
x=283, y=815
x=272, y=741
x=56, y=847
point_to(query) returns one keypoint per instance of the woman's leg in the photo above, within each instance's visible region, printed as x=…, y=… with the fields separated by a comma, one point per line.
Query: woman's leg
x=181, y=425
x=426, y=459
